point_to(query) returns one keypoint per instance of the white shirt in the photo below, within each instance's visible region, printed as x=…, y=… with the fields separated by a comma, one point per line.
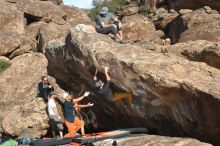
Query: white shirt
x=50, y=105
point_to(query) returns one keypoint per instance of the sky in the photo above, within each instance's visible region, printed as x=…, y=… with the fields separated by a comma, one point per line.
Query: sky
x=79, y=3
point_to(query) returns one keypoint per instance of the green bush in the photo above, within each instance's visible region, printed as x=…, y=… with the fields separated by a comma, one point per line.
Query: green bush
x=4, y=65
x=144, y=10
x=112, y=5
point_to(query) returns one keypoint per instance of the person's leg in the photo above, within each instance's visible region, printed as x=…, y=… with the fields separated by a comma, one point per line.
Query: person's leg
x=60, y=128
x=45, y=98
x=116, y=32
x=53, y=127
x=120, y=96
x=61, y=134
x=82, y=127
x=105, y=30
x=71, y=129
x=120, y=34
x=77, y=124
x=110, y=29
x=119, y=27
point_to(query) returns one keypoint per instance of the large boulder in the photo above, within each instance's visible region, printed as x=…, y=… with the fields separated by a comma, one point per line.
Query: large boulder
x=201, y=24
x=42, y=11
x=193, y=4
x=201, y=51
x=169, y=90
x=11, y=19
x=166, y=21
x=127, y=10
x=33, y=30
x=136, y=27
x=13, y=44
x=51, y=31
x=76, y=16
x=155, y=38
x=45, y=32
x=20, y=110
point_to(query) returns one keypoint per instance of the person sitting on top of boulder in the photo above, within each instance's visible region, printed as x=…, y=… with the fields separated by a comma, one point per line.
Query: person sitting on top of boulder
x=72, y=123
x=108, y=23
x=55, y=119
x=44, y=88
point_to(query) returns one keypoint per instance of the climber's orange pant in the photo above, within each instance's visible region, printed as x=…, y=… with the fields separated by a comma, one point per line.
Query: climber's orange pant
x=72, y=127
x=120, y=96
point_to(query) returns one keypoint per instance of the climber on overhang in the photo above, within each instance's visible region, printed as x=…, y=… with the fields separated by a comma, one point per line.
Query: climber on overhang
x=104, y=90
x=107, y=23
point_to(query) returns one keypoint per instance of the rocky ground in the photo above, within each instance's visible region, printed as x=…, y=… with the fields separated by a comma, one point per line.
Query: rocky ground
x=153, y=140
x=171, y=66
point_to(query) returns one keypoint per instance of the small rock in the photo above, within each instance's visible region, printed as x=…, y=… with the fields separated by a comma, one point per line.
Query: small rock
x=136, y=27
x=128, y=10
x=85, y=28
x=185, y=11
x=172, y=11
x=161, y=11
x=193, y=4
x=4, y=58
x=58, y=20
x=195, y=25
x=208, y=9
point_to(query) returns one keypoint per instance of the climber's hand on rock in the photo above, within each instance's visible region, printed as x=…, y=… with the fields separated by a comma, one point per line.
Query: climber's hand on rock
x=90, y=104
x=86, y=94
x=106, y=69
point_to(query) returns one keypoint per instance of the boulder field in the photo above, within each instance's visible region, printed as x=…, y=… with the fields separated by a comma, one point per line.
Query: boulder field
x=171, y=66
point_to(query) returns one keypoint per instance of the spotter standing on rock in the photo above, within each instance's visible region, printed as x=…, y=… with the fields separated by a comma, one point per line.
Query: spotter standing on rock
x=72, y=123
x=79, y=116
x=55, y=119
x=108, y=23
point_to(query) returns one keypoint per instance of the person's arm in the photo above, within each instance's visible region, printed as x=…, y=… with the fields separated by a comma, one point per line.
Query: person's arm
x=50, y=86
x=56, y=112
x=106, y=74
x=84, y=105
x=103, y=24
x=40, y=86
x=45, y=86
x=106, y=25
x=81, y=97
x=95, y=76
x=105, y=88
x=114, y=18
x=78, y=99
x=40, y=90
